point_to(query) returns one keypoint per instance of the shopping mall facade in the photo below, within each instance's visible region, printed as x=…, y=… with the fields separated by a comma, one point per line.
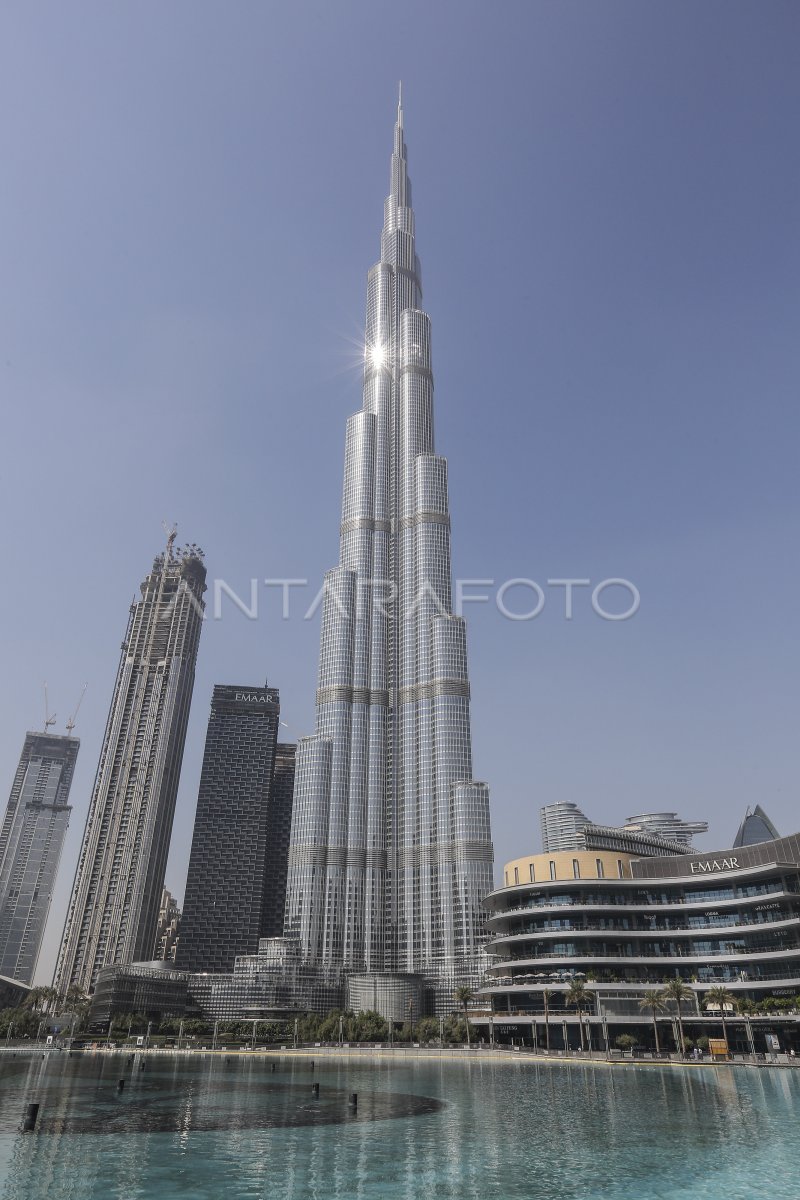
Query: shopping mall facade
x=625, y=926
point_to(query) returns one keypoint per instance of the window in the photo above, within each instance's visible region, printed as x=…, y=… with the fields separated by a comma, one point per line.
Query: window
x=516, y=874
x=533, y=876
x=600, y=872
x=576, y=869
x=552, y=869
x=620, y=870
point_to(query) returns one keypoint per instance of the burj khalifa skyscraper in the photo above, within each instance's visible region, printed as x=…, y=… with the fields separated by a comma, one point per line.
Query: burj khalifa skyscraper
x=391, y=850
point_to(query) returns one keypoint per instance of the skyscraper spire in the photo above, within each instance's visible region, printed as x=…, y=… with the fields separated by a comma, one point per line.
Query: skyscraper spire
x=391, y=847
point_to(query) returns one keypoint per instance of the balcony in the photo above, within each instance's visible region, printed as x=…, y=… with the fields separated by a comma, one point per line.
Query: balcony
x=777, y=921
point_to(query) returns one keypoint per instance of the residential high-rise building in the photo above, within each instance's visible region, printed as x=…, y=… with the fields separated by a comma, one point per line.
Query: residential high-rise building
x=566, y=827
x=279, y=828
x=31, y=838
x=113, y=911
x=168, y=928
x=236, y=884
x=756, y=827
x=391, y=849
x=562, y=823
x=667, y=825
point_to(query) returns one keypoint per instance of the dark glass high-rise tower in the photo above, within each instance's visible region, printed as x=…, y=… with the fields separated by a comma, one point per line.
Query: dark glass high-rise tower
x=279, y=828
x=31, y=838
x=113, y=911
x=236, y=884
x=391, y=850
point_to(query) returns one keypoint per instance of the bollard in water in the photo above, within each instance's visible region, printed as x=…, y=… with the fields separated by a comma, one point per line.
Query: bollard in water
x=29, y=1120
x=312, y=1064
x=272, y=1066
x=315, y=1089
x=120, y=1085
x=353, y=1101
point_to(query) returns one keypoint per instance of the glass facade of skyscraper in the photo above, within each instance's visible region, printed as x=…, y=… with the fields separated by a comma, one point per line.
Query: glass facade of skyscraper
x=31, y=838
x=391, y=848
x=113, y=911
x=236, y=884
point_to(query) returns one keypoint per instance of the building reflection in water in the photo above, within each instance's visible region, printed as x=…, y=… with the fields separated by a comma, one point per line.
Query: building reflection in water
x=210, y=1128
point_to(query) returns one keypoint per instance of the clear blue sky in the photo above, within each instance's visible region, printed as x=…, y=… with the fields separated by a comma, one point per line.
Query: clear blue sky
x=607, y=200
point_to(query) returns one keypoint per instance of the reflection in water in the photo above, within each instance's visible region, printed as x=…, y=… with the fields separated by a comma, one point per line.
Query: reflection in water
x=506, y=1130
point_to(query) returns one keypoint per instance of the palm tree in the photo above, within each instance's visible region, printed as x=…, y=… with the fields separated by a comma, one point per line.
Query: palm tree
x=547, y=996
x=656, y=1001
x=679, y=991
x=578, y=995
x=463, y=995
x=74, y=995
x=41, y=999
x=36, y=999
x=719, y=996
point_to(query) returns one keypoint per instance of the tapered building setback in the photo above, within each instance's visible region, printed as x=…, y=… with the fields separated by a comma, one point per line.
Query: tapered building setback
x=391, y=851
x=113, y=911
x=31, y=838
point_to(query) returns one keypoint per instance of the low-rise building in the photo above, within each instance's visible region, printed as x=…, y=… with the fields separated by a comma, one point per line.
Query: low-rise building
x=154, y=990
x=626, y=926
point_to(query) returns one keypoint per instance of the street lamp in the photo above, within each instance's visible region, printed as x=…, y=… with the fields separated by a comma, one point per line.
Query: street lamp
x=411, y=1020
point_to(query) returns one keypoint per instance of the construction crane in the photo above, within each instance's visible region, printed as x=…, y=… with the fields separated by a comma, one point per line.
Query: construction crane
x=71, y=720
x=48, y=719
x=172, y=532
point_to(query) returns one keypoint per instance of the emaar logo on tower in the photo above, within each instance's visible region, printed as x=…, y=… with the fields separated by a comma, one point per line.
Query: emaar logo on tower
x=708, y=865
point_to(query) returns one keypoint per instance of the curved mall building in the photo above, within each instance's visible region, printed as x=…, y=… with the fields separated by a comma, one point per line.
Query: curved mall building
x=625, y=926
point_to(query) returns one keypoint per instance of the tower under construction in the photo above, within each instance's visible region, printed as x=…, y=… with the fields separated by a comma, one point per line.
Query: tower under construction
x=113, y=911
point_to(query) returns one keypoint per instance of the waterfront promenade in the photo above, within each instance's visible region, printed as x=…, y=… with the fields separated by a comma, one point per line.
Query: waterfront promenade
x=386, y=1053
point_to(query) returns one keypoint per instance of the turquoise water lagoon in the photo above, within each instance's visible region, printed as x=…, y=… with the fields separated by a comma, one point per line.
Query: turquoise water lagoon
x=240, y=1127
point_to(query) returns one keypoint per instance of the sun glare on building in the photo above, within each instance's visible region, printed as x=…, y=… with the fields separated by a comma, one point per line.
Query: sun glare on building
x=377, y=356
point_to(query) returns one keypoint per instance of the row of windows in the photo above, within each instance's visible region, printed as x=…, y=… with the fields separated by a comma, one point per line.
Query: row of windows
x=600, y=872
